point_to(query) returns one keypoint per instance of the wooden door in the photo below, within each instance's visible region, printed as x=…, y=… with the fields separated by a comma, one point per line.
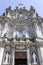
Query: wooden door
x=20, y=58
x=20, y=55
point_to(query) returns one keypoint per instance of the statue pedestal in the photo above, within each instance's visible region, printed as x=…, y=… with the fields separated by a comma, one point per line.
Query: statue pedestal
x=34, y=64
x=6, y=64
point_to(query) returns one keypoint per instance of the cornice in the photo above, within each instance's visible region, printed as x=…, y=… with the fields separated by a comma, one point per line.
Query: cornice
x=14, y=44
x=4, y=18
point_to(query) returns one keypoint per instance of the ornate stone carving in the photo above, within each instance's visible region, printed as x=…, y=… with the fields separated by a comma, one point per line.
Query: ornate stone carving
x=20, y=19
x=7, y=55
x=34, y=58
x=34, y=55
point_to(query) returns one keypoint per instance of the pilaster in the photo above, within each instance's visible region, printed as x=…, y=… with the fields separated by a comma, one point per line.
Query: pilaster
x=28, y=57
x=13, y=56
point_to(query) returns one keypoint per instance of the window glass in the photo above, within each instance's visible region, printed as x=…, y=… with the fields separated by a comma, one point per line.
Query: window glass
x=31, y=33
x=20, y=33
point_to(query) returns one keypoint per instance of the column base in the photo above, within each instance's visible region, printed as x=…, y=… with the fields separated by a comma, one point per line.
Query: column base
x=34, y=64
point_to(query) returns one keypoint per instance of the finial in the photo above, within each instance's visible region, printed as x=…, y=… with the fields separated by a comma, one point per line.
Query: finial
x=9, y=7
x=31, y=7
x=3, y=14
x=20, y=5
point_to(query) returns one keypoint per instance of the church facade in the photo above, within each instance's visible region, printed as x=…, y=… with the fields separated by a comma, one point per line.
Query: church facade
x=21, y=37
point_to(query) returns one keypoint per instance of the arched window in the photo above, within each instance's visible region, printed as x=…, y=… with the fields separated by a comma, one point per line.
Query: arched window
x=20, y=33
x=31, y=33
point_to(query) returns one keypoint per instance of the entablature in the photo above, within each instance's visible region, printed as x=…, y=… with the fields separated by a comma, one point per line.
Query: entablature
x=21, y=44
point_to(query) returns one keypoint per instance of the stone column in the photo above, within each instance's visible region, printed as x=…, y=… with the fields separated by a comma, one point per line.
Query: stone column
x=28, y=57
x=1, y=54
x=40, y=57
x=13, y=56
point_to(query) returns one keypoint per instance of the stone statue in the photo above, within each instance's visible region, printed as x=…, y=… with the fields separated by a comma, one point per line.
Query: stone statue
x=34, y=58
x=7, y=58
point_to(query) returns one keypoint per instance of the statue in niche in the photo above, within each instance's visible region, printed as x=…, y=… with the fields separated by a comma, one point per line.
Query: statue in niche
x=7, y=58
x=34, y=58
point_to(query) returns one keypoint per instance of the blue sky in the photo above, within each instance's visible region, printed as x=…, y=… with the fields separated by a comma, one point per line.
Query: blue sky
x=38, y=5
